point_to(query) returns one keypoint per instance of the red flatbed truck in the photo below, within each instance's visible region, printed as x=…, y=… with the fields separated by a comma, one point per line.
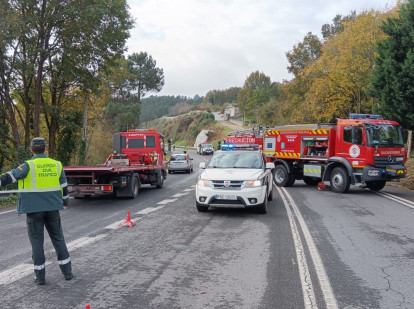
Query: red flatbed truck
x=138, y=159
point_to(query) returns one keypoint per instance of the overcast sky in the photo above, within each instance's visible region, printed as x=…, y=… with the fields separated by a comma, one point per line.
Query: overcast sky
x=205, y=45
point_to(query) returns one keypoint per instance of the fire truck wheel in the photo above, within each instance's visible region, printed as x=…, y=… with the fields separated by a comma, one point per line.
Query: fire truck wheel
x=291, y=180
x=262, y=208
x=281, y=175
x=340, y=181
x=376, y=185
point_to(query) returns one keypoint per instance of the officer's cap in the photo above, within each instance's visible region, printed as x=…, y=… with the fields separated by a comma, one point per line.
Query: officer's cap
x=38, y=142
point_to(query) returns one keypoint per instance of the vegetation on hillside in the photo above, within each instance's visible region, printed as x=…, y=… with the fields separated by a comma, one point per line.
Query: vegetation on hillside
x=184, y=129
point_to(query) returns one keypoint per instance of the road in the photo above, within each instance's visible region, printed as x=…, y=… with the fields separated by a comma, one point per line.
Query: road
x=314, y=249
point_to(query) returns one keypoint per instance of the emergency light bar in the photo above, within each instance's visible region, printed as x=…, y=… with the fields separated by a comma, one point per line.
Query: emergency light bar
x=364, y=116
x=227, y=147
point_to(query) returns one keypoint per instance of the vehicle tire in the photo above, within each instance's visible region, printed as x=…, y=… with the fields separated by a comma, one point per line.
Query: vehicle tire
x=291, y=180
x=262, y=208
x=160, y=180
x=201, y=208
x=280, y=176
x=311, y=181
x=376, y=185
x=169, y=172
x=270, y=197
x=135, y=188
x=340, y=180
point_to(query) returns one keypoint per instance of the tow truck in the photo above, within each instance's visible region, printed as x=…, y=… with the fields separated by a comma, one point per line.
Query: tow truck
x=138, y=159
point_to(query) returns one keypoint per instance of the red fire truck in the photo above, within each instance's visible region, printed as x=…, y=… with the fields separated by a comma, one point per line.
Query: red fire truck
x=362, y=150
x=138, y=159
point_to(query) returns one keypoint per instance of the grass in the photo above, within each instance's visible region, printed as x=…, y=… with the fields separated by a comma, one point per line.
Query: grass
x=7, y=201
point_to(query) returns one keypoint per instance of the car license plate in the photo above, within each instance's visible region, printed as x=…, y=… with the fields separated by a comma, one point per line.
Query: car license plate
x=226, y=197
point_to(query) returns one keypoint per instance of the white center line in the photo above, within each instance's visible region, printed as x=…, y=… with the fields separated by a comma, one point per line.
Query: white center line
x=324, y=282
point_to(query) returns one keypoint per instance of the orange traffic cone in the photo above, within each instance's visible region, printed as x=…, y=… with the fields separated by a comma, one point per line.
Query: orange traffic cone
x=321, y=186
x=128, y=220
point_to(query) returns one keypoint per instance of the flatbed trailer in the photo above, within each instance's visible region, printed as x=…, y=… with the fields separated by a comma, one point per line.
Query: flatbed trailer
x=138, y=159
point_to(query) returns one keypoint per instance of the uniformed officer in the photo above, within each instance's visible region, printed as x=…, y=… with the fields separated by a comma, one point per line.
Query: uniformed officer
x=42, y=193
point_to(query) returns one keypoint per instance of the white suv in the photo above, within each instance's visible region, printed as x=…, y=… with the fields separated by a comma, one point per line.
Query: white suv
x=239, y=178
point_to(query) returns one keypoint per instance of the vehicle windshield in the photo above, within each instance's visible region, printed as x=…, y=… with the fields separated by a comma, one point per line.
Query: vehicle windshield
x=236, y=160
x=178, y=158
x=384, y=135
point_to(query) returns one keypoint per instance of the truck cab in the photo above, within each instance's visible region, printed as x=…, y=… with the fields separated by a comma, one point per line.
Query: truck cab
x=374, y=149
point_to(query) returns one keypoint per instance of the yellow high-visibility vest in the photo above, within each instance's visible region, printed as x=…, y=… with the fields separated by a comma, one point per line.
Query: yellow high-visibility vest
x=43, y=176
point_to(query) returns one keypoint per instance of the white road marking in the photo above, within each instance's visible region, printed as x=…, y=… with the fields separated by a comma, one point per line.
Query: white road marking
x=7, y=211
x=166, y=201
x=18, y=272
x=397, y=199
x=83, y=241
x=308, y=293
x=189, y=190
x=148, y=210
x=180, y=194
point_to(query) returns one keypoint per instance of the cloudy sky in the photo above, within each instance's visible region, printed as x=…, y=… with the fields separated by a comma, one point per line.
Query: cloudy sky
x=207, y=45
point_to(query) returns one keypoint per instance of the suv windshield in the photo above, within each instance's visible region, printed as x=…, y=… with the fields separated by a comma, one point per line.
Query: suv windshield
x=236, y=160
x=383, y=135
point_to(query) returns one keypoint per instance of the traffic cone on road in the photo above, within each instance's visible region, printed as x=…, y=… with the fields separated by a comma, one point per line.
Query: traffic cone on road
x=321, y=186
x=128, y=220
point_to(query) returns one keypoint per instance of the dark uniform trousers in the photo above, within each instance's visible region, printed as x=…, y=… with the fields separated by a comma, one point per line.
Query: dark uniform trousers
x=35, y=227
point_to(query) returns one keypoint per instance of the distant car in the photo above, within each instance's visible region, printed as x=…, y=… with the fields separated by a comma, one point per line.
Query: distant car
x=205, y=149
x=180, y=163
x=233, y=179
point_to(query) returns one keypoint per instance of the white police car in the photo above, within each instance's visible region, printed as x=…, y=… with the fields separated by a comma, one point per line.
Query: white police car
x=235, y=178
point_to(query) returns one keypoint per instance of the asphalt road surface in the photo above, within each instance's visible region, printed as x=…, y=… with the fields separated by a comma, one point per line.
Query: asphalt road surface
x=313, y=249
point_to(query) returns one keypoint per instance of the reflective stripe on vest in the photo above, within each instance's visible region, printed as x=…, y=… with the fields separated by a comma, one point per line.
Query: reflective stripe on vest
x=43, y=176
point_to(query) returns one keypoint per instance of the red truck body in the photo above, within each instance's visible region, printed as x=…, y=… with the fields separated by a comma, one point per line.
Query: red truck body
x=138, y=159
x=363, y=150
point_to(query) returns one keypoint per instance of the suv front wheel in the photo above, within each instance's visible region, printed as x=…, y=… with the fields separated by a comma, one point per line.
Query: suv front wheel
x=262, y=208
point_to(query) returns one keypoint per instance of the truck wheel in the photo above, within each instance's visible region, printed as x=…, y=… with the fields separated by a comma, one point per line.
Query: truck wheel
x=281, y=175
x=201, y=208
x=291, y=180
x=262, y=208
x=376, y=185
x=135, y=188
x=340, y=180
x=160, y=180
x=310, y=181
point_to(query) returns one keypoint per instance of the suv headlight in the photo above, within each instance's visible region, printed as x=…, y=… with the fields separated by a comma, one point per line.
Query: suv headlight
x=253, y=183
x=204, y=183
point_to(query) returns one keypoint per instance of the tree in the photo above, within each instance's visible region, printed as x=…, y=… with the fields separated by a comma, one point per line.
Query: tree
x=54, y=53
x=392, y=81
x=146, y=76
x=256, y=92
x=304, y=53
x=337, y=26
x=339, y=79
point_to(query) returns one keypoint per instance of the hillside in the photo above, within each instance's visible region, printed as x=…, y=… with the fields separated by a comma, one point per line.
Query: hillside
x=183, y=129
